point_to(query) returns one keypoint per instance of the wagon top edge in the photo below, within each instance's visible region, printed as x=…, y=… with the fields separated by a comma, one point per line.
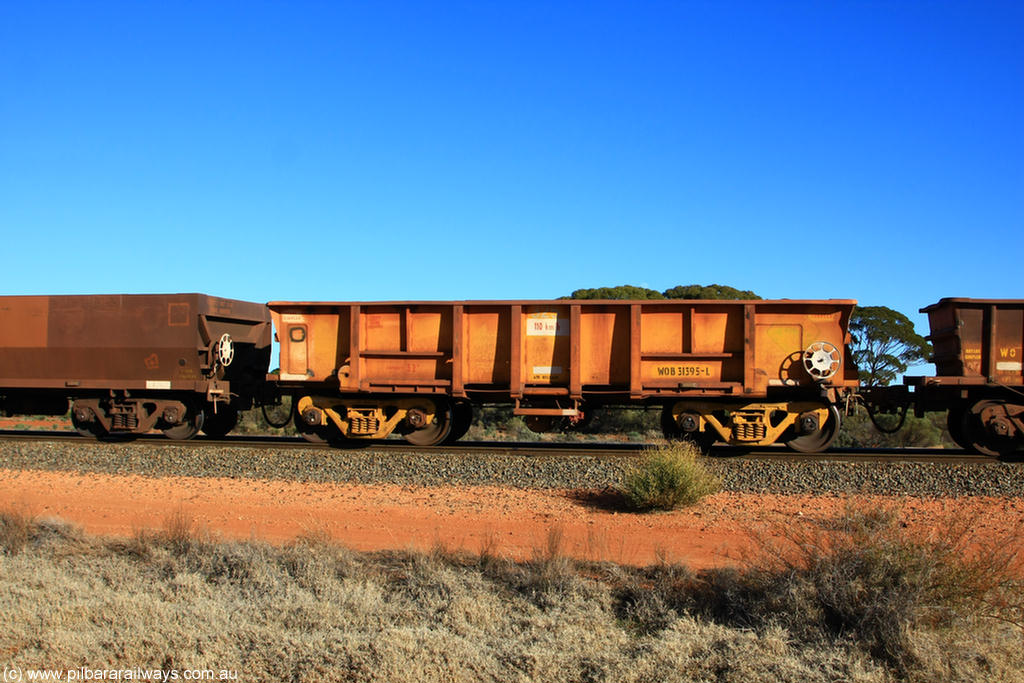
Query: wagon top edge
x=570, y=302
x=109, y=297
x=108, y=294
x=965, y=301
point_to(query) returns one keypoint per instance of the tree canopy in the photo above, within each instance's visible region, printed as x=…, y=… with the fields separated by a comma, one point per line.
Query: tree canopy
x=677, y=292
x=620, y=292
x=708, y=292
x=884, y=344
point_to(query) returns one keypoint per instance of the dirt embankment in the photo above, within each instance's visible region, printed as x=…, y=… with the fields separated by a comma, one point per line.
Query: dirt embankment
x=513, y=522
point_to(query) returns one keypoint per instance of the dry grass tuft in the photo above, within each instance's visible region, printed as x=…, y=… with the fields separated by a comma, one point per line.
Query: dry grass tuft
x=316, y=534
x=16, y=525
x=182, y=532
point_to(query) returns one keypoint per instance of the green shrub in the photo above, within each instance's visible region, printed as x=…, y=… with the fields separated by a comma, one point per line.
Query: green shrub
x=917, y=432
x=668, y=477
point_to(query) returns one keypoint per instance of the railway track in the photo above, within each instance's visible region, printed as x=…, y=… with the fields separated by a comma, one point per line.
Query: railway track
x=533, y=449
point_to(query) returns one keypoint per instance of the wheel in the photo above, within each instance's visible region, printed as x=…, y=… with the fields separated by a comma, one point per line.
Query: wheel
x=669, y=428
x=462, y=418
x=821, y=439
x=541, y=424
x=217, y=425
x=311, y=433
x=955, y=425
x=673, y=432
x=434, y=432
x=979, y=427
x=188, y=428
x=91, y=429
x=278, y=413
x=316, y=434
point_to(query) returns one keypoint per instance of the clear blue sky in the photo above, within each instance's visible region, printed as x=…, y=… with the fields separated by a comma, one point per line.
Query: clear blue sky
x=340, y=151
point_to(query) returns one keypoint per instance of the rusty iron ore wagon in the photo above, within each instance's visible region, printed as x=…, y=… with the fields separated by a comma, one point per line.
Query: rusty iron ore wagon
x=979, y=359
x=743, y=372
x=131, y=363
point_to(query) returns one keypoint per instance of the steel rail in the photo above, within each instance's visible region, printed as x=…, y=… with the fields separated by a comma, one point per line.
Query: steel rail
x=529, y=448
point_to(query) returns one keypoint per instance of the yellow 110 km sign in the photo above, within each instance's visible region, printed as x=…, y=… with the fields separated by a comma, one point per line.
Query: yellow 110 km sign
x=685, y=370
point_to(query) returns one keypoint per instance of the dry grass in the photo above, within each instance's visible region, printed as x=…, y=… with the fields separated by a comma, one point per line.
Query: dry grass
x=868, y=578
x=815, y=610
x=16, y=525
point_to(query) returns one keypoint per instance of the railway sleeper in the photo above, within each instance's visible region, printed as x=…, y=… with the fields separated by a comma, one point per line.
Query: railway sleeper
x=806, y=426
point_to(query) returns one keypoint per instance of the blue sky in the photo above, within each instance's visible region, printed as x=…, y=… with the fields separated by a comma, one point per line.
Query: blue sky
x=377, y=151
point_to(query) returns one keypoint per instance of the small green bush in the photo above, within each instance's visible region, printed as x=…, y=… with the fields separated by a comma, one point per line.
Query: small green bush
x=668, y=477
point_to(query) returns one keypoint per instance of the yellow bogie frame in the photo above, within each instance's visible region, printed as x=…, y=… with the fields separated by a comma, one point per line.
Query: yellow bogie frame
x=750, y=424
x=359, y=418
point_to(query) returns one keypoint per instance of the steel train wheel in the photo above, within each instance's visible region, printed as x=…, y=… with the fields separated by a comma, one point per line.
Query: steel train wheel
x=955, y=424
x=311, y=433
x=462, y=419
x=673, y=432
x=436, y=431
x=186, y=430
x=822, y=438
x=318, y=434
x=983, y=439
x=91, y=430
x=217, y=425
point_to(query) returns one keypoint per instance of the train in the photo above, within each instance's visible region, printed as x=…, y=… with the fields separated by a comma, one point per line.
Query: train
x=744, y=373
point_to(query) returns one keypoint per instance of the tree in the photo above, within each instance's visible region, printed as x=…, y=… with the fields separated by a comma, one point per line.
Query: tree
x=620, y=292
x=677, y=292
x=884, y=344
x=708, y=292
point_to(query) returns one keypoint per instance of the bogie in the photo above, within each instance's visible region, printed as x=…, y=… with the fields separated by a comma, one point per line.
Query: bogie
x=422, y=421
x=126, y=417
x=804, y=426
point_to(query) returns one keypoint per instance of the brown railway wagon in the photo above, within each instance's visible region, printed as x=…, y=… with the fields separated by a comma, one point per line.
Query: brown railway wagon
x=131, y=363
x=743, y=372
x=979, y=359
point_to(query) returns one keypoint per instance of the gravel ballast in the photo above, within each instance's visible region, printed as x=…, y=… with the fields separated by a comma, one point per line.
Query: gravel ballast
x=437, y=467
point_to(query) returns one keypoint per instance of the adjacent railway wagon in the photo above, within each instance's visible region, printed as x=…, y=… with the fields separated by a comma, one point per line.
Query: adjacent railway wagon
x=743, y=372
x=131, y=363
x=978, y=355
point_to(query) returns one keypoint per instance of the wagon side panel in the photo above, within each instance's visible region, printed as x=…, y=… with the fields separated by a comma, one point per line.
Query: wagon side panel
x=978, y=339
x=692, y=345
x=404, y=346
x=784, y=334
x=485, y=347
x=315, y=340
x=604, y=343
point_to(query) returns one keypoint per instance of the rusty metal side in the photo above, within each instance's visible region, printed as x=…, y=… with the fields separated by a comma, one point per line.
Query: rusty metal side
x=515, y=350
x=128, y=342
x=977, y=340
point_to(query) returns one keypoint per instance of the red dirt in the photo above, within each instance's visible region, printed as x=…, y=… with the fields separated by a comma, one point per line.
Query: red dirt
x=36, y=423
x=510, y=522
